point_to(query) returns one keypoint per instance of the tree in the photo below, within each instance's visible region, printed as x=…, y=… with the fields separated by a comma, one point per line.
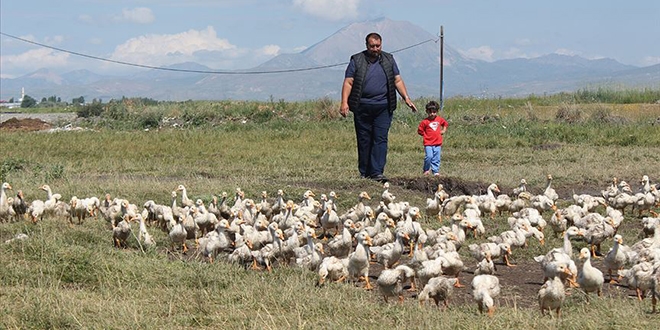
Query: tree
x=11, y=100
x=79, y=100
x=28, y=102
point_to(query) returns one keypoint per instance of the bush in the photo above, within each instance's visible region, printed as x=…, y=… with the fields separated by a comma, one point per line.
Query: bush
x=569, y=114
x=90, y=110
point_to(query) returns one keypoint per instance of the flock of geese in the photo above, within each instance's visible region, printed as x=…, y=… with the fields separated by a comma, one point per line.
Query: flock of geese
x=343, y=246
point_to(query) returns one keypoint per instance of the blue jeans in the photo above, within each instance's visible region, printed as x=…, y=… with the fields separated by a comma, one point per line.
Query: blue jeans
x=372, y=126
x=432, y=158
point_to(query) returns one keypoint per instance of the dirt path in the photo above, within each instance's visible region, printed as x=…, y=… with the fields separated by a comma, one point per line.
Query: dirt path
x=33, y=121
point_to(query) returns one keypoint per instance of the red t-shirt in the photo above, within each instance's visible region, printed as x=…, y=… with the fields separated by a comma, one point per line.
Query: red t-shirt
x=430, y=130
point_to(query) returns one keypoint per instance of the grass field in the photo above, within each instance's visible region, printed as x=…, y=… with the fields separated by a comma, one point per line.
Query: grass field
x=72, y=277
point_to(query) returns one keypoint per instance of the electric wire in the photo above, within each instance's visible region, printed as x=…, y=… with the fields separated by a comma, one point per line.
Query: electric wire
x=198, y=71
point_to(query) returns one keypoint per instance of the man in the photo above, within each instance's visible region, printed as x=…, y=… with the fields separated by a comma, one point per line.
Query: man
x=371, y=82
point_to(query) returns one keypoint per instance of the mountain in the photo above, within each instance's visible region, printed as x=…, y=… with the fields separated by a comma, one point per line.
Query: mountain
x=318, y=71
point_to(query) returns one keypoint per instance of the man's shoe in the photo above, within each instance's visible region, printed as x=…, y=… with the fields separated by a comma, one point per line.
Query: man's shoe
x=380, y=178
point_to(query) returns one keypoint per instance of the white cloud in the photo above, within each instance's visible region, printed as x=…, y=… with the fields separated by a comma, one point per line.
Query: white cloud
x=333, y=10
x=139, y=15
x=484, y=53
x=270, y=50
x=201, y=46
x=34, y=59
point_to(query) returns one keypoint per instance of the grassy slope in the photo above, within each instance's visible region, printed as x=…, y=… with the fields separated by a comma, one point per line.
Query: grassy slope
x=72, y=277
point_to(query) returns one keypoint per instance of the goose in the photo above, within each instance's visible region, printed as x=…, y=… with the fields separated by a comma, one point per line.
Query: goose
x=309, y=256
x=177, y=211
x=411, y=227
x=19, y=205
x=542, y=203
x=433, y=206
x=238, y=205
x=192, y=229
x=553, y=264
x=78, y=209
x=36, y=210
x=242, y=252
x=51, y=201
x=4, y=204
x=549, y=191
x=121, y=231
x=453, y=204
x=522, y=187
x=385, y=236
x=616, y=258
x=484, y=289
x=590, y=278
x=439, y=289
x=378, y=227
x=340, y=245
x=389, y=254
x=453, y=266
x=215, y=241
x=487, y=203
x=358, y=260
x=178, y=234
x=358, y=211
x=427, y=269
x=495, y=250
x=597, y=233
x=205, y=220
x=269, y=251
x=655, y=292
x=558, y=223
x=330, y=219
x=387, y=197
x=640, y=278
x=522, y=201
x=143, y=236
x=162, y=215
x=588, y=202
x=264, y=206
x=514, y=237
x=390, y=281
x=333, y=269
x=552, y=294
x=185, y=201
x=279, y=204
x=292, y=242
x=485, y=266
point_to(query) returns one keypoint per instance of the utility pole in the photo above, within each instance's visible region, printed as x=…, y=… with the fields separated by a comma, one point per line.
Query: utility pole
x=442, y=62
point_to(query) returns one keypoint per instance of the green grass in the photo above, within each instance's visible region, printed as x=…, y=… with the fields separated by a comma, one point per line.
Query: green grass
x=72, y=277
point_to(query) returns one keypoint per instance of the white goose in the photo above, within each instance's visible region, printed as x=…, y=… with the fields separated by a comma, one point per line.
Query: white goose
x=484, y=289
x=590, y=278
x=552, y=294
x=389, y=254
x=390, y=281
x=439, y=289
x=358, y=260
x=4, y=204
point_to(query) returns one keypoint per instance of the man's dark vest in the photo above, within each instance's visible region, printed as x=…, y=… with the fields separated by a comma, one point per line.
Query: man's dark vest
x=361, y=65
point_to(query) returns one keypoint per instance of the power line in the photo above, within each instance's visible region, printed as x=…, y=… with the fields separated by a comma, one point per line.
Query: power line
x=196, y=71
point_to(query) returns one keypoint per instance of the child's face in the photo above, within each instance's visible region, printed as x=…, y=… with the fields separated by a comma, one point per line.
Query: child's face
x=432, y=113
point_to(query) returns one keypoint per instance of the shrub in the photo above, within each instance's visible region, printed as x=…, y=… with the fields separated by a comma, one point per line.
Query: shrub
x=569, y=114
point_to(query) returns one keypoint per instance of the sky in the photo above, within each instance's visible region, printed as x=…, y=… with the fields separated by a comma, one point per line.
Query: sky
x=241, y=34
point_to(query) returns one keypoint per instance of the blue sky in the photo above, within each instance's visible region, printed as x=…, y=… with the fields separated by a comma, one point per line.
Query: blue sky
x=239, y=34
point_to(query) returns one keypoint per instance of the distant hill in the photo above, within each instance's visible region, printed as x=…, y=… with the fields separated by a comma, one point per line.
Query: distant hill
x=416, y=51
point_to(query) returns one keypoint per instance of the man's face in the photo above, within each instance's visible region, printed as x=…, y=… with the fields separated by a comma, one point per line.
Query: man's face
x=374, y=47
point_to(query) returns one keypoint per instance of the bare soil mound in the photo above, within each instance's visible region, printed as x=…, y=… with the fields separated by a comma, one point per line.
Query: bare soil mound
x=25, y=124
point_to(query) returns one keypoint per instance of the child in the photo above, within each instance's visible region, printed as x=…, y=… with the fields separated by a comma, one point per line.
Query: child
x=431, y=129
